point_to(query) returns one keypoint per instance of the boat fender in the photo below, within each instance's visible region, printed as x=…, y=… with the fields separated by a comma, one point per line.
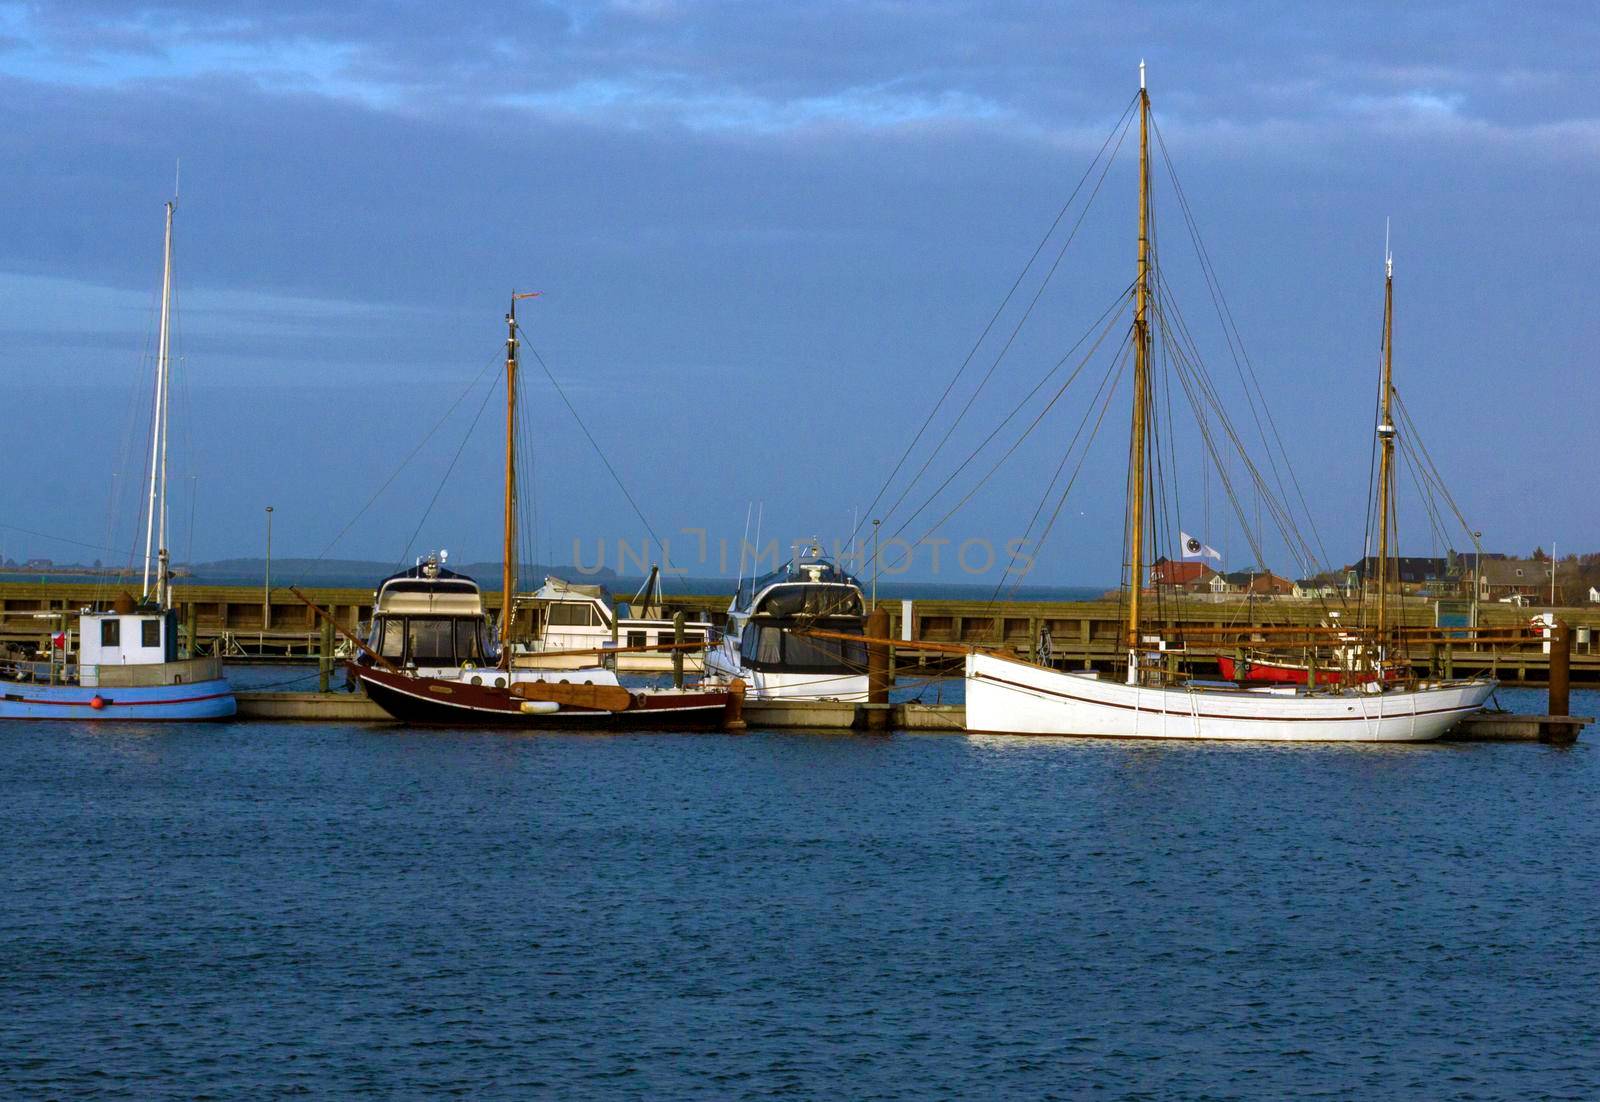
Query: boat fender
x=539, y=707
x=97, y=702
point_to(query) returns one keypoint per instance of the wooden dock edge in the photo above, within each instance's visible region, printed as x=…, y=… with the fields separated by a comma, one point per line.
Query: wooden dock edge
x=830, y=715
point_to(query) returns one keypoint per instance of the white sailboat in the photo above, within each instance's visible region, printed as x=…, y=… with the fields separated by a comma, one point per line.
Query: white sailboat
x=1012, y=696
x=130, y=665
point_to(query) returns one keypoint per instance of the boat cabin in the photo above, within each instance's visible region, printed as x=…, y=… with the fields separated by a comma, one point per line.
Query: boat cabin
x=429, y=617
x=810, y=592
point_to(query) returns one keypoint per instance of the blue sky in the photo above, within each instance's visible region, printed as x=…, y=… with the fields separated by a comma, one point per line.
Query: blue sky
x=767, y=236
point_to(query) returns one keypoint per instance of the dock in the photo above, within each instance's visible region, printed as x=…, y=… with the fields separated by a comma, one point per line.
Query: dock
x=238, y=625
x=829, y=715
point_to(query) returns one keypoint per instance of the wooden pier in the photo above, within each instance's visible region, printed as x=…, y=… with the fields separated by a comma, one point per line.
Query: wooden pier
x=235, y=623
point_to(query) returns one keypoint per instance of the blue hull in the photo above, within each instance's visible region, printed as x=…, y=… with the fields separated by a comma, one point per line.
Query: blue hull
x=197, y=700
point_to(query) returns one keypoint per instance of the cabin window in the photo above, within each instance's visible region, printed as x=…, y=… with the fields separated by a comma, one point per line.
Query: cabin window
x=636, y=638
x=773, y=648
x=571, y=615
x=150, y=633
x=812, y=600
x=432, y=643
x=467, y=649
x=110, y=633
x=393, y=644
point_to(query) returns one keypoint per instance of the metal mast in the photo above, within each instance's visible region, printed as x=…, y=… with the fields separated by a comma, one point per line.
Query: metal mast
x=158, y=431
x=1141, y=368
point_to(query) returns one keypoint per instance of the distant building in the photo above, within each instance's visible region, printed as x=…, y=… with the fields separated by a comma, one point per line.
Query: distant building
x=1408, y=569
x=1513, y=578
x=1256, y=583
x=1324, y=585
x=39, y=564
x=1191, y=577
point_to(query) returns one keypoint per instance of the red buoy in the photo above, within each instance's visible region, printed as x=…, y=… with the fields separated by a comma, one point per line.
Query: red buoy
x=97, y=702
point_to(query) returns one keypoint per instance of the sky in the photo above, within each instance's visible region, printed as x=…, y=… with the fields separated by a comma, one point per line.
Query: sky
x=766, y=237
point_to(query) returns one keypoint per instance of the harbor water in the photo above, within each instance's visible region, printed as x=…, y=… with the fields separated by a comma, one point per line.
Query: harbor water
x=254, y=910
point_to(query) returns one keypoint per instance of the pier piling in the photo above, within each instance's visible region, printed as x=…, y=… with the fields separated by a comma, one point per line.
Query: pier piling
x=325, y=656
x=877, y=711
x=677, y=649
x=1560, y=667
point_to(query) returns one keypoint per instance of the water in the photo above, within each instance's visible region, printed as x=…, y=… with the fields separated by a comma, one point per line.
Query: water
x=256, y=910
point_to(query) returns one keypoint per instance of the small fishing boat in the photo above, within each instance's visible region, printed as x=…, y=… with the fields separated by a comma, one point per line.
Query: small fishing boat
x=429, y=659
x=1010, y=695
x=767, y=645
x=129, y=664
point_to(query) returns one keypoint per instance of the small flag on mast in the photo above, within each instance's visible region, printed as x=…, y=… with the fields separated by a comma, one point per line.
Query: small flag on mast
x=1194, y=549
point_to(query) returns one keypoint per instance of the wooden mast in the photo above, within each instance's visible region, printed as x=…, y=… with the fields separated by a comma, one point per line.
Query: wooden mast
x=1386, y=454
x=1141, y=368
x=508, y=570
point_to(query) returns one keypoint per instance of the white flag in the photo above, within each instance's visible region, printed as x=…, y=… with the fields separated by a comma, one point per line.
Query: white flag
x=1194, y=549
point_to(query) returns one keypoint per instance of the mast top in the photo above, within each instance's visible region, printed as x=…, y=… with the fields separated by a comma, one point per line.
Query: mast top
x=1388, y=257
x=1141, y=74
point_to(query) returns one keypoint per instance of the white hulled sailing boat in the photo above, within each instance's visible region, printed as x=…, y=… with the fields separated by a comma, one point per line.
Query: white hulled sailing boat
x=129, y=663
x=1013, y=696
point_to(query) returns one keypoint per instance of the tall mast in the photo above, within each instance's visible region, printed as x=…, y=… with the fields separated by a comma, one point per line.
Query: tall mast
x=1141, y=368
x=508, y=577
x=158, y=430
x=1386, y=454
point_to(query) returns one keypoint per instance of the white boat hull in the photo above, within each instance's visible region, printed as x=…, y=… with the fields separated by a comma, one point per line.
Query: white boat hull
x=770, y=685
x=1017, y=698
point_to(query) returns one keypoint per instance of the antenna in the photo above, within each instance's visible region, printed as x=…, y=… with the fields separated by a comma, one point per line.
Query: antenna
x=177, y=177
x=1141, y=74
x=1388, y=257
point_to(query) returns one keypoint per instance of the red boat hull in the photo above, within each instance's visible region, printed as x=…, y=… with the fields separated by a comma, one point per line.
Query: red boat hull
x=1289, y=673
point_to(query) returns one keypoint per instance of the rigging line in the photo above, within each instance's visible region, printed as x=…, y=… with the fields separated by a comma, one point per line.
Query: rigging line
x=593, y=443
x=1102, y=398
x=1429, y=505
x=1110, y=316
x=1105, y=407
x=1017, y=329
x=1416, y=437
x=1207, y=436
x=1220, y=301
x=1119, y=126
x=984, y=480
x=1283, y=516
x=409, y=457
x=58, y=539
x=488, y=393
x=1112, y=371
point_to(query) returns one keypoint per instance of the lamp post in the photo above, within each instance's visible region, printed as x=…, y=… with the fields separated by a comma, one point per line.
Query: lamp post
x=266, y=586
x=875, y=562
x=1477, y=574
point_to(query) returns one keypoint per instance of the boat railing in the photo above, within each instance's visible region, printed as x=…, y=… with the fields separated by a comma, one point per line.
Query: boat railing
x=184, y=672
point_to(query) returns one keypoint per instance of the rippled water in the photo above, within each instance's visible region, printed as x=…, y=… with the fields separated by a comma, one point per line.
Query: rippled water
x=252, y=910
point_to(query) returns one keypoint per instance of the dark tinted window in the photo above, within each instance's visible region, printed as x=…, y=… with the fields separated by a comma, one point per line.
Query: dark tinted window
x=392, y=639
x=110, y=633
x=467, y=649
x=431, y=643
x=150, y=633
